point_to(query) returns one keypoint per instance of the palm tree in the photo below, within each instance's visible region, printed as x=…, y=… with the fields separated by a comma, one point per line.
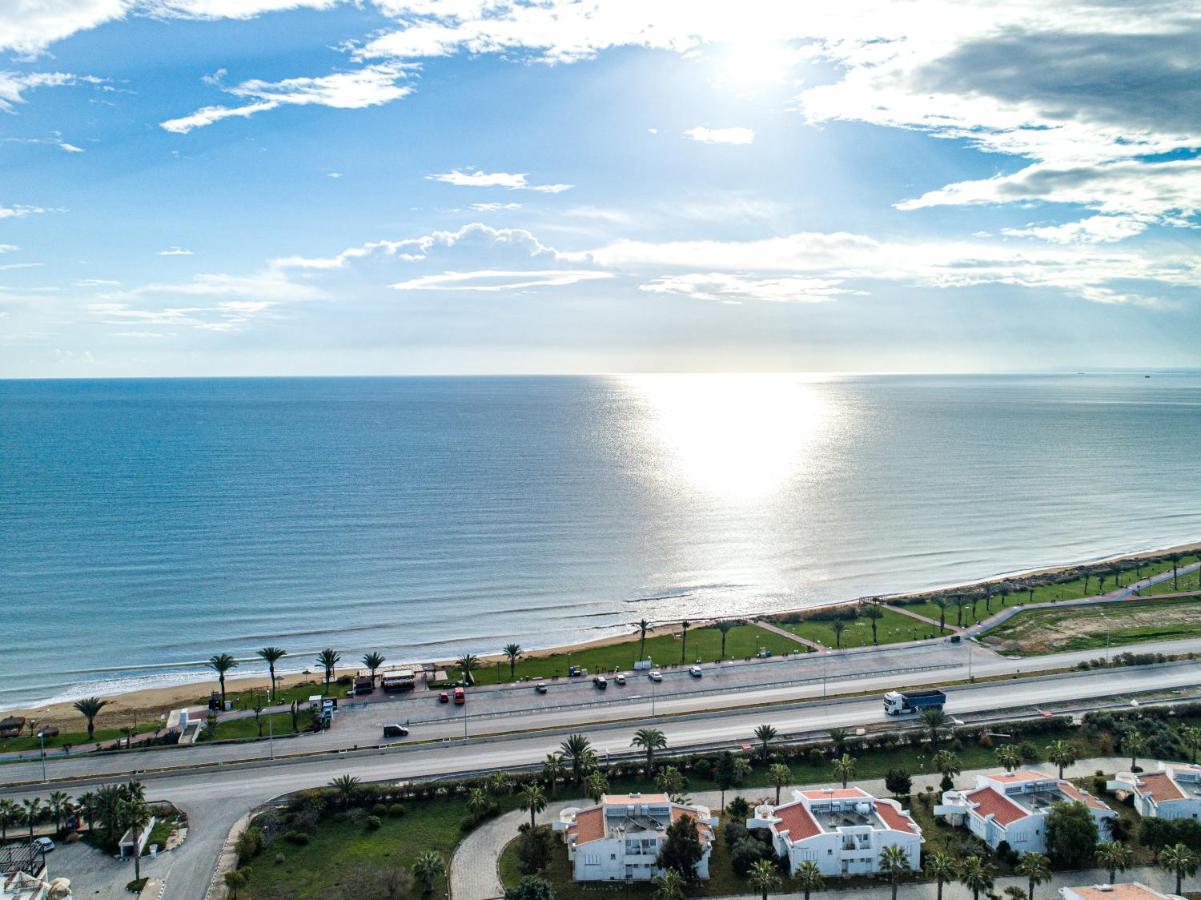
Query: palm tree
x=670, y=886
x=941, y=603
x=373, y=661
x=844, y=768
x=779, y=775
x=59, y=804
x=975, y=876
x=643, y=625
x=873, y=614
x=765, y=735
x=1178, y=859
x=1176, y=587
x=763, y=876
x=10, y=814
x=222, y=663
x=724, y=627
x=935, y=720
x=468, y=663
x=940, y=866
x=809, y=878
x=86, y=804
x=838, y=737
x=684, y=639
x=894, y=862
x=33, y=810
x=1037, y=869
x=1062, y=754
x=428, y=868
x=513, y=651
x=272, y=655
x=553, y=771
x=839, y=625
x=532, y=798
x=345, y=787
x=478, y=801
x=1008, y=756
x=650, y=740
x=948, y=764
x=328, y=659
x=89, y=708
x=577, y=748
x=135, y=815
x=1191, y=736
x=1133, y=745
x=1114, y=857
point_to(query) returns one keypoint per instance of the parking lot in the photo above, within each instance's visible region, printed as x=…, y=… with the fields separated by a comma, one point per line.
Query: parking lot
x=95, y=874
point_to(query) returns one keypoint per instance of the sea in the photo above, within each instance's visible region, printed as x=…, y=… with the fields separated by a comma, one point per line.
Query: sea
x=148, y=524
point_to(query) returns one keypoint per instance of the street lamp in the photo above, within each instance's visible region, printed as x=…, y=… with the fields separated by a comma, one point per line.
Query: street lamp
x=42, y=741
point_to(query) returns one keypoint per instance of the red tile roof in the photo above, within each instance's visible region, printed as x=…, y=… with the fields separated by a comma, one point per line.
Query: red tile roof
x=1087, y=799
x=1159, y=787
x=894, y=819
x=990, y=802
x=797, y=821
x=589, y=825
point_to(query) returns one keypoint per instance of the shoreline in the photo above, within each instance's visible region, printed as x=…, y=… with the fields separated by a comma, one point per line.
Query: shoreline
x=144, y=703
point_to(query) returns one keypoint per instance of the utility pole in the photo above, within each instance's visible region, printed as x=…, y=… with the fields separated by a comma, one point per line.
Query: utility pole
x=271, y=736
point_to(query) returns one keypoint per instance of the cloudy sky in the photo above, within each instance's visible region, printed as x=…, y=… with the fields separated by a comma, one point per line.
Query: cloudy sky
x=194, y=187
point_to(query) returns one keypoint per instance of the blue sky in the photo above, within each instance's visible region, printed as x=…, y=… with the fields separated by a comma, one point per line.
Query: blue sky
x=195, y=187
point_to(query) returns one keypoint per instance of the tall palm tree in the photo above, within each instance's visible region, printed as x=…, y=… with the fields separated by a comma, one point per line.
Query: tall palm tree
x=838, y=737
x=222, y=663
x=809, y=878
x=271, y=655
x=10, y=814
x=763, y=876
x=1178, y=859
x=468, y=663
x=940, y=866
x=684, y=639
x=328, y=659
x=345, y=788
x=135, y=815
x=1114, y=857
x=765, y=734
x=596, y=785
x=1191, y=736
x=947, y=762
x=873, y=614
x=513, y=651
x=1176, y=587
x=975, y=876
x=373, y=661
x=553, y=771
x=59, y=804
x=532, y=799
x=779, y=775
x=33, y=811
x=1036, y=867
x=1062, y=754
x=577, y=749
x=839, y=625
x=89, y=708
x=935, y=720
x=478, y=801
x=894, y=862
x=670, y=886
x=86, y=804
x=650, y=740
x=724, y=627
x=941, y=603
x=428, y=868
x=844, y=768
x=1133, y=745
x=643, y=625
x=1008, y=756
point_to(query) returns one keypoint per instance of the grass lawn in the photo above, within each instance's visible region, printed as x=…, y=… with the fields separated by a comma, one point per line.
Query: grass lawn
x=300, y=692
x=69, y=738
x=281, y=723
x=1186, y=581
x=956, y=615
x=891, y=629
x=704, y=645
x=1091, y=627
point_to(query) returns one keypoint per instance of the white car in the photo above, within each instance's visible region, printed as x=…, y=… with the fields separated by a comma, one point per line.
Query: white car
x=695, y=672
x=655, y=675
x=44, y=844
x=619, y=679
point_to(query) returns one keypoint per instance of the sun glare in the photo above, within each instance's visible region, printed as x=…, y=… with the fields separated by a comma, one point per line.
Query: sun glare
x=757, y=61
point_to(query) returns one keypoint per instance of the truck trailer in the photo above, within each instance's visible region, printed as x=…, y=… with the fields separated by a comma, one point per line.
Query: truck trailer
x=899, y=703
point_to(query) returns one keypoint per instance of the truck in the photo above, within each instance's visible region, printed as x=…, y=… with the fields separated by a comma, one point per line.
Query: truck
x=898, y=703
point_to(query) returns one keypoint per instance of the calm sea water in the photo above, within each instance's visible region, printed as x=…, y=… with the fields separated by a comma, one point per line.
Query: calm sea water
x=145, y=525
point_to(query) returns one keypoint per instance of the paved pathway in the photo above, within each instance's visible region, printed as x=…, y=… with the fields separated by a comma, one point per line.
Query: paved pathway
x=905, y=611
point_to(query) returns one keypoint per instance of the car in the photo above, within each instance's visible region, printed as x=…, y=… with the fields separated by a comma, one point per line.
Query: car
x=540, y=687
x=443, y=697
x=695, y=672
x=43, y=843
x=619, y=679
x=655, y=675
x=601, y=682
x=460, y=696
x=394, y=730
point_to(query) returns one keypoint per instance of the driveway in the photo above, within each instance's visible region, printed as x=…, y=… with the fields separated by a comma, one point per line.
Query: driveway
x=95, y=874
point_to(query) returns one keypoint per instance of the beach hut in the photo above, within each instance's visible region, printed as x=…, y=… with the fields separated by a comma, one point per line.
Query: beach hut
x=12, y=726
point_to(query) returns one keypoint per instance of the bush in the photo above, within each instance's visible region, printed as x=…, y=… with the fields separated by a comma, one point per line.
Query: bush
x=396, y=810
x=746, y=853
x=250, y=844
x=279, y=858
x=734, y=833
x=373, y=823
x=299, y=838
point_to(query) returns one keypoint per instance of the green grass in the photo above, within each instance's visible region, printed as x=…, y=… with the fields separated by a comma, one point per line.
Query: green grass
x=891, y=629
x=1095, y=626
x=1186, y=581
x=704, y=645
x=71, y=738
x=955, y=615
x=299, y=692
x=245, y=728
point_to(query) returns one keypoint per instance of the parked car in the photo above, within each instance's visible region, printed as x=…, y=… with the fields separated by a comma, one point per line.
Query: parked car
x=655, y=675
x=541, y=687
x=601, y=682
x=43, y=843
x=619, y=679
x=695, y=672
x=394, y=730
x=443, y=697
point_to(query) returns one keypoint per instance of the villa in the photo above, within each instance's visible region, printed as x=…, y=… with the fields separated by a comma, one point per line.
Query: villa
x=1174, y=792
x=1012, y=808
x=1133, y=891
x=843, y=830
x=620, y=838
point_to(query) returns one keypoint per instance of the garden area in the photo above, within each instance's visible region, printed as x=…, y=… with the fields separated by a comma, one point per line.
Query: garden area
x=851, y=626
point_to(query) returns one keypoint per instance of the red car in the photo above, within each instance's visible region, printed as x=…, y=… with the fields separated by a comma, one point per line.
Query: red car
x=443, y=697
x=460, y=696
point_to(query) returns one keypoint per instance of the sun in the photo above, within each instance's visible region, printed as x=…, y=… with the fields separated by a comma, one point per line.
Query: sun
x=755, y=61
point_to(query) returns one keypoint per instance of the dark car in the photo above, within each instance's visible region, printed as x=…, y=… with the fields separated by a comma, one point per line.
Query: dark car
x=394, y=730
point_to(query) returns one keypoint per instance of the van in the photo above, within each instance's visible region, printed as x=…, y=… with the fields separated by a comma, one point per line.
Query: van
x=460, y=696
x=395, y=731
x=601, y=682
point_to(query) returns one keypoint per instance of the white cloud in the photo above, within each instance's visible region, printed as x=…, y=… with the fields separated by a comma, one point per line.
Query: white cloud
x=228, y=9
x=25, y=265
x=358, y=89
x=97, y=282
x=334, y=175
x=493, y=207
x=721, y=135
x=69, y=148
x=8, y=248
x=1093, y=230
x=29, y=26
x=14, y=85
x=19, y=211
x=175, y=251
x=514, y=181
x=725, y=287
x=493, y=280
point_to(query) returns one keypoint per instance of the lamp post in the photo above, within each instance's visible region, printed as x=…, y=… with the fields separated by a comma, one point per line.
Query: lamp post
x=42, y=742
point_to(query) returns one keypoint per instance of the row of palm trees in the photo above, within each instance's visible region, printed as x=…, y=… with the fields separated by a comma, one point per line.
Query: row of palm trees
x=327, y=659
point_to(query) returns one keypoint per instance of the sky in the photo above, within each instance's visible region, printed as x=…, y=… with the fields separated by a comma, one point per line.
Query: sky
x=312, y=187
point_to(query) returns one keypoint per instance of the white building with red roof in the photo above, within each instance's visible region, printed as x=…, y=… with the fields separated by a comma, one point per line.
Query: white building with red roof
x=1129, y=891
x=843, y=830
x=1012, y=808
x=1174, y=792
x=620, y=837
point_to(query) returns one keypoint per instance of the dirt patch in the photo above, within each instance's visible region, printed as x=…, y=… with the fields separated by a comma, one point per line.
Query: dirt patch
x=1080, y=627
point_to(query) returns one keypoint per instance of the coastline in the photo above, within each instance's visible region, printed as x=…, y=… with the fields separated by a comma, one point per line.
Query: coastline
x=146, y=703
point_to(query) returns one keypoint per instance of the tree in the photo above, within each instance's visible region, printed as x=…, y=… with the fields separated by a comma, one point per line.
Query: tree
x=478, y=802
x=10, y=814
x=533, y=799
x=941, y=603
x=1036, y=868
x=682, y=849
x=935, y=720
x=272, y=655
x=531, y=887
x=725, y=774
x=428, y=868
x=59, y=805
x=85, y=803
x=499, y=784
x=373, y=661
x=513, y=652
x=596, y=785
x=135, y=815
x=839, y=625
x=1179, y=860
x=650, y=740
x=467, y=664
x=1062, y=754
x=898, y=783
x=724, y=627
x=643, y=626
x=685, y=625
x=535, y=849
x=670, y=886
x=763, y=877
x=873, y=614
x=838, y=737
x=222, y=663
x=779, y=775
x=258, y=704
x=671, y=782
x=1008, y=756
x=975, y=876
x=1114, y=857
x=553, y=771
x=235, y=881
x=577, y=748
x=808, y=878
x=765, y=734
x=940, y=866
x=894, y=862
x=89, y=708
x=345, y=788
x=949, y=765
x=1176, y=587
x=33, y=812
x=1190, y=736
x=328, y=659
x=1134, y=745
x=1071, y=834
x=844, y=768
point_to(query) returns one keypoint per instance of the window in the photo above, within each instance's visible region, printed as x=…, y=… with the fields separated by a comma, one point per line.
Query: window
x=591, y=859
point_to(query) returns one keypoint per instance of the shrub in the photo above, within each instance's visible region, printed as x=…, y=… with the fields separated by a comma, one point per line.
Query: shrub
x=279, y=858
x=250, y=844
x=379, y=809
x=396, y=810
x=373, y=823
x=746, y=853
x=299, y=838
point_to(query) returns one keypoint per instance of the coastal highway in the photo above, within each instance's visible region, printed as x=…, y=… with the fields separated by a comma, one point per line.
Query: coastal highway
x=217, y=797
